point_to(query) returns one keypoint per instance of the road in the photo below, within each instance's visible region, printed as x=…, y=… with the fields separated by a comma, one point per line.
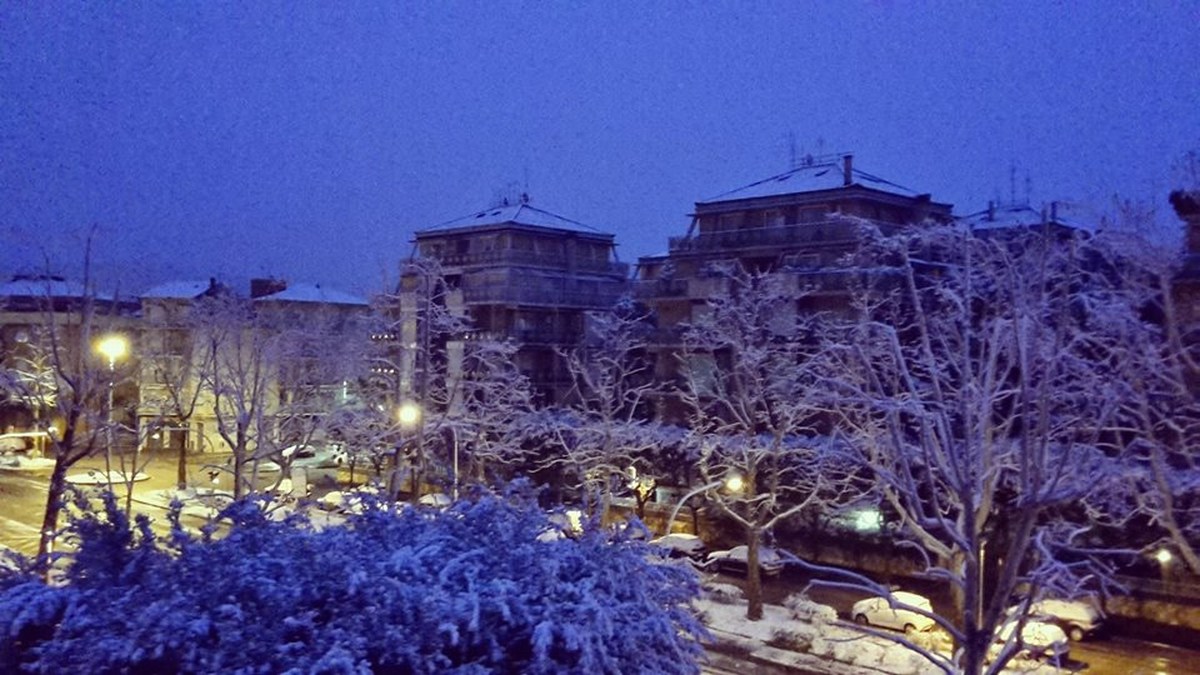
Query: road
x=23, y=494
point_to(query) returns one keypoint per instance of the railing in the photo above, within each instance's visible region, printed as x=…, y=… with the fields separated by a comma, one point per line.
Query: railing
x=828, y=232
x=529, y=294
x=532, y=258
x=661, y=288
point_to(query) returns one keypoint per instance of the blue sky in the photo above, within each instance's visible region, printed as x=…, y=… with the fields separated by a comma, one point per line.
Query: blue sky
x=309, y=141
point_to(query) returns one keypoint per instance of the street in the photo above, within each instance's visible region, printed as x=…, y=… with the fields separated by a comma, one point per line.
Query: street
x=23, y=493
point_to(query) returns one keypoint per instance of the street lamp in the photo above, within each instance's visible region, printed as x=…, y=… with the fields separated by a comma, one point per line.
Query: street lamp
x=113, y=346
x=409, y=416
x=732, y=483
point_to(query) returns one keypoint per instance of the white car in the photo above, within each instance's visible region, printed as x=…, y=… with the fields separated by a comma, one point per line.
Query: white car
x=1038, y=639
x=735, y=560
x=311, y=457
x=682, y=545
x=1077, y=618
x=879, y=611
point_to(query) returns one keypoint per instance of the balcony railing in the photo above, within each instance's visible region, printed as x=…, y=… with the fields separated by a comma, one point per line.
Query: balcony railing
x=824, y=233
x=541, y=295
x=535, y=259
x=661, y=288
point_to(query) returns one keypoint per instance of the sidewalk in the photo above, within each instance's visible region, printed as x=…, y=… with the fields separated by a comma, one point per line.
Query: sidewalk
x=836, y=648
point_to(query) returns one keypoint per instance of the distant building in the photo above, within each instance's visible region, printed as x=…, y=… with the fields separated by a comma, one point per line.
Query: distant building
x=798, y=223
x=1187, y=282
x=176, y=358
x=40, y=313
x=516, y=272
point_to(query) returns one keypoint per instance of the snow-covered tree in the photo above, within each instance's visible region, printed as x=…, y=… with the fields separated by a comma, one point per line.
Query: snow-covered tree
x=472, y=590
x=244, y=355
x=600, y=439
x=980, y=390
x=749, y=370
x=462, y=382
x=55, y=372
x=1162, y=414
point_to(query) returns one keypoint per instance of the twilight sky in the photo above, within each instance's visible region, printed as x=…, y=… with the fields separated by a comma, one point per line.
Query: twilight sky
x=309, y=141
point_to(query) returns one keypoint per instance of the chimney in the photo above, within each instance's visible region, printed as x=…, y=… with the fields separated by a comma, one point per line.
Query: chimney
x=1054, y=212
x=848, y=170
x=263, y=287
x=991, y=210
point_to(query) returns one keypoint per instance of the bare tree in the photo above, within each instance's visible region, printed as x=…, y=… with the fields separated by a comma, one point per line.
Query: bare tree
x=601, y=440
x=980, y=388
x=244, y=356
x=750, y=368
x=1163, y=369
x=175, y=365
x=55, y=372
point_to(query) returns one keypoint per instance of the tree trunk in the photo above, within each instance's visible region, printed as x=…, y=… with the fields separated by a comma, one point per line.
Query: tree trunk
x=754, y=600
x=181, y=474
x=58, y=483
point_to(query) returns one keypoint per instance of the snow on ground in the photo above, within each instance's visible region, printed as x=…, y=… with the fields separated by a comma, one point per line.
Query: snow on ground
x=25, y=463
x=838, y=648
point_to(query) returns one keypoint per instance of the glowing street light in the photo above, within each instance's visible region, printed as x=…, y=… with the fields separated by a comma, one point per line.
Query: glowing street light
x=732, y=483
x=1163, y=556
x=113, y=346
x=409, y=414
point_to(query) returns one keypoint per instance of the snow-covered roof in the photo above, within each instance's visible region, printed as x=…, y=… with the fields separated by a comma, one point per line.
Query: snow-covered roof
x=811, y=178
x=178, y=290
x=312, y=293
x=1022, y=215
x=514, y=214
x=47, y=287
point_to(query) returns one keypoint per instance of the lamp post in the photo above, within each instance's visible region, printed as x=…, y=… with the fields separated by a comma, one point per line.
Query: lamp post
x=409, y=416
x=733, y=483
x=112, y=347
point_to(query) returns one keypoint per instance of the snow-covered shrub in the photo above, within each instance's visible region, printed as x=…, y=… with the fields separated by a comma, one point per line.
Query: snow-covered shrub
x=805, y=609
x=721, y=592
x=795, y=638
x=470, y=589
x=822, y=647
x=933, y=640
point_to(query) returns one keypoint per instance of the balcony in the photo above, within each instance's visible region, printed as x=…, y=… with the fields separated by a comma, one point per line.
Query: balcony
x=534, y=259
x=825, y=233
x=543, y=295
x=661, y=288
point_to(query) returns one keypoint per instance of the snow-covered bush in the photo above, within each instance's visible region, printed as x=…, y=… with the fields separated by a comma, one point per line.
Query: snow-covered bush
x=470, y=589
x=805, y=609
x=795, y=638
x=722, y=592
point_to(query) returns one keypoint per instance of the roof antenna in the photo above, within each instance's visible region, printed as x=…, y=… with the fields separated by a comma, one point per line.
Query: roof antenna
x=1012, y=183
x=1028, y=187
x=791, y=151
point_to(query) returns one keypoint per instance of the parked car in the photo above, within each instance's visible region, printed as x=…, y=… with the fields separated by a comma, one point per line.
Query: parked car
x=312, y=457
x=734, y=560
x=1038, y=639
x=1079, y=619
x=682, y=545
x=879, y=611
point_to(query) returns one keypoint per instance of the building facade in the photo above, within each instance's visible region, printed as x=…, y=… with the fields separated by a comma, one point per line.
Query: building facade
x=798, y=224
x=515, y=273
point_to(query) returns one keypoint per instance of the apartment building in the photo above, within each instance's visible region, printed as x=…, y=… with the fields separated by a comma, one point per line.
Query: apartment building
x=49, y=328
x=285, y=354
x=797, y=224
x=514, y=272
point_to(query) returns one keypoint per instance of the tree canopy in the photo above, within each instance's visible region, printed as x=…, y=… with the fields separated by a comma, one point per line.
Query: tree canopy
x=477, y=588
